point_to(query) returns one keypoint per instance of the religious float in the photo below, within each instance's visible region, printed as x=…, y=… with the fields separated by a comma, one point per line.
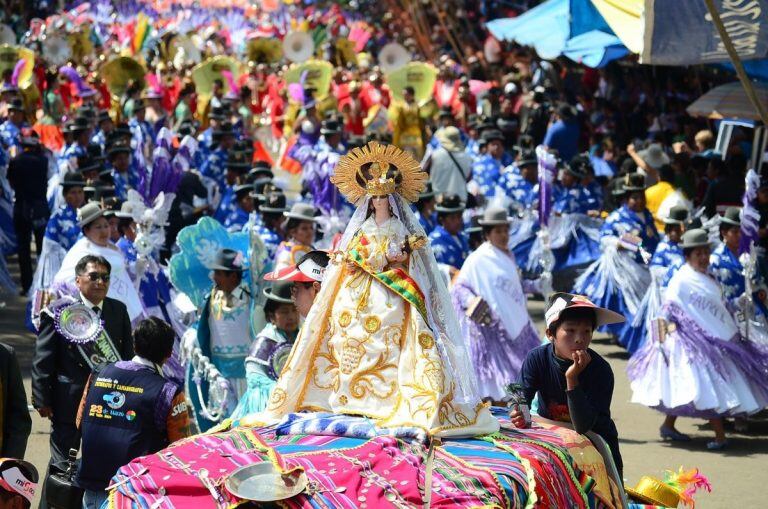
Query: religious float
x=374, y=406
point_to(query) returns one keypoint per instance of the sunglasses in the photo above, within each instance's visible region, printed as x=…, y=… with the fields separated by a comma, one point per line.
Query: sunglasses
x=95, y=276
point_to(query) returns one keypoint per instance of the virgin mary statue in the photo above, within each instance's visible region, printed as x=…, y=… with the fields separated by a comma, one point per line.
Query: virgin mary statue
x=381, y=340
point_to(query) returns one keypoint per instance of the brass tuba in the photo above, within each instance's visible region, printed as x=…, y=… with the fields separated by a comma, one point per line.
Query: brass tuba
x=204, y=74
x=118, y=72
x=263, y=50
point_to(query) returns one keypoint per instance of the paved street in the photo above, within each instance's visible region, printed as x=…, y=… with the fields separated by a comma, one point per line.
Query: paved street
x=736, y=473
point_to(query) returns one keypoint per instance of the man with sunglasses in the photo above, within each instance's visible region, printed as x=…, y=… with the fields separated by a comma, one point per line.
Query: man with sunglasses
x=62, y=364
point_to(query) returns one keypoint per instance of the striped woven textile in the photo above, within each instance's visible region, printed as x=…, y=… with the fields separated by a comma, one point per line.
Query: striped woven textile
x=514, y=468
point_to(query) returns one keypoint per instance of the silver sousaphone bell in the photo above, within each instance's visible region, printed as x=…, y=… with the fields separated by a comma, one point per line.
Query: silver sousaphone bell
x=298, y=46
x=56, y=50
x=7, y=35
x=393, y=56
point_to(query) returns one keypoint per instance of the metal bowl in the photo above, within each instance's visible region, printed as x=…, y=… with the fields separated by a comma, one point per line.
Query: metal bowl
x=261, y=482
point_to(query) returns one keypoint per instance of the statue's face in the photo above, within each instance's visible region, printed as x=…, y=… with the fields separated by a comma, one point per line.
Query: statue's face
x=380, y=204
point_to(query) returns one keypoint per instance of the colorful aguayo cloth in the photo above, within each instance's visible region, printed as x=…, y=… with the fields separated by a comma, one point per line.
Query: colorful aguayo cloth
x=514, y=468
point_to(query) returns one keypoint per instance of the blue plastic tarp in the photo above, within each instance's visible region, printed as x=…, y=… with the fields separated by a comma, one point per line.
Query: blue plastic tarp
x=545, y=28
x=755, y=69
x=585, y=18
x=573, y=28
x=595, y=49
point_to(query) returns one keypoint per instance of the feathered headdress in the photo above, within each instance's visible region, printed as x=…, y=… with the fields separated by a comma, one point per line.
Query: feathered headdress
x=296, y=90
x=234, y=90
x=154, y=85
x=17, y=69
x=676, y=487
x=687, y=483
x=83, y=89
x=376, y=170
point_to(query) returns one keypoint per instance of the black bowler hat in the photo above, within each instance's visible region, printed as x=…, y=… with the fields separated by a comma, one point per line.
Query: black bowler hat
x=330, y=127
x=118, y=147
x=87, y=111
x=72, y=179
x=228, y=260
x=449, y=204
x=633, y=182
x=474, y=225
x=78, y=125
x=486, y=124
x=617, y=187
x=527, y=158
x=492, y=135
x=16, y=104
x=237, y=161
x=280, y=292
x=102, y=116
x=261, y=170
x=225, y=129
x=579, y=166
x=242, y=190
x=217, y=113
x=428, y=192
x=121, y=129
x=677, y=215
x=94, y=150
x=87, y=163
x=187, y=128
x=732, y=216
x=274, y=203
x=261, y=165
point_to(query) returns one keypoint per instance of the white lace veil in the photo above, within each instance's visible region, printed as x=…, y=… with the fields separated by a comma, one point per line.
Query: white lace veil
x=457, y=363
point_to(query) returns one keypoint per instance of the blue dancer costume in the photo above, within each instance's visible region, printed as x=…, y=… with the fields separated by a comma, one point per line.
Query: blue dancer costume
x=449, y=249
x=620, y=278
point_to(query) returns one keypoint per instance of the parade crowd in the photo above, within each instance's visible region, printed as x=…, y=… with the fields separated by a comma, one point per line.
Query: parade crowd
x=207, y=226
